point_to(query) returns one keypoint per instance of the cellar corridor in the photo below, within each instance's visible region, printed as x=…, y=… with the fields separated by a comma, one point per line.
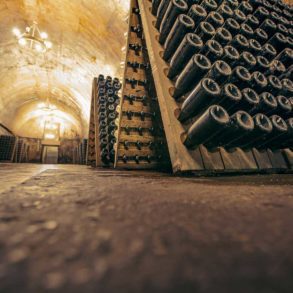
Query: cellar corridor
x=78, y=229
x=146, y=146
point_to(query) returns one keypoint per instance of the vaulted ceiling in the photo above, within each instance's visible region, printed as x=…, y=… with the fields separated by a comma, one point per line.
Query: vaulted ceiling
x=87, y=37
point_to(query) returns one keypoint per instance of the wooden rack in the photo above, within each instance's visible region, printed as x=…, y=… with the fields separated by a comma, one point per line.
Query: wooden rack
x=91, y=158
x=140, y=137
x=200, y=160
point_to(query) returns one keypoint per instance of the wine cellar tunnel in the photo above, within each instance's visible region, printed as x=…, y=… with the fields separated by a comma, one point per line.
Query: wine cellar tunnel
x=36, y=87
x=146, y=146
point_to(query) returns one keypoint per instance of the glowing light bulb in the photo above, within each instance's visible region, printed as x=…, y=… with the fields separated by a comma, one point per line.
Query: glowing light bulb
x=49, y=136
x=22, y=41
x=41, y=105
x=44, y=35
x=48, y=44
x=16, y=32
x=38, y=48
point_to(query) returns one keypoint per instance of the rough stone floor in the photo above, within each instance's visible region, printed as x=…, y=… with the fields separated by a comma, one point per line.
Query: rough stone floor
x=76, y=229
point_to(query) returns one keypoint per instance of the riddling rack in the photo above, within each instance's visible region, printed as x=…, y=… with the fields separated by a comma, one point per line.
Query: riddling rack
x=91, y=146
x=7, y=147
x=82, y=151
x=21, y=151
x=100, y=146
x=141, y=142
x=79, y=153
x=223, y=88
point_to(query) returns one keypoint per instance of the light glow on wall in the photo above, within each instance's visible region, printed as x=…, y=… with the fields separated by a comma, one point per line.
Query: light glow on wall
x=49, y=136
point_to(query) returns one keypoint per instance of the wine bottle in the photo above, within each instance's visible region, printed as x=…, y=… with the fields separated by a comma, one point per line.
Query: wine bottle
x=174, y=8
x=232, y=26
x=230, y=56
x=207, y=126
x=250, y=99
x=231, y=97
x=269, y=27
x=204, y=94
x=258, y=82
x=279, y=42
x=245, y=7
x=239, y=16
x=225, y=10
x=215, y=19
x=241, y=125
x=155, y=6
x=209, y=5
x=274, y=85
x=183, y=25
x=261, y=13
x=197, y=13
x=190, y=45
x=161, y=12
x=240, y=77
x=267, y=104
x=219, y=72
x=240, y=42
x=205, y=31
x=196, y=68
x=254, y=47
x=280, y=129
x=222, y=36
x=261, y=36
x=262, y=128
x=268, y=51
x=246, y=30
x=212, y=50
x=252, y=21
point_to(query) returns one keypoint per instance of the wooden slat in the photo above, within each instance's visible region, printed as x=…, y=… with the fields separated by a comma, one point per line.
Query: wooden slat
x=98, y=161
x=150, y=106
x=91, y=149
x=182, y=159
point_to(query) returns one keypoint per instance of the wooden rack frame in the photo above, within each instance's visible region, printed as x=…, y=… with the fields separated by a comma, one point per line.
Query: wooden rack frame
x=91, y=157
x=150, y=106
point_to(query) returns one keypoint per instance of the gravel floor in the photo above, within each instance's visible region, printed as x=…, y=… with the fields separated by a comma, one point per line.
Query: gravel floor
x=76, y=229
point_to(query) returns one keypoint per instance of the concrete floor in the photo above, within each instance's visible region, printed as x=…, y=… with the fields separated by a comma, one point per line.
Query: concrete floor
x=76, y=229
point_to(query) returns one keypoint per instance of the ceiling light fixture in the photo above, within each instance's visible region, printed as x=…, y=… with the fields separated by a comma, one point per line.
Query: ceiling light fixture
x=33, y=38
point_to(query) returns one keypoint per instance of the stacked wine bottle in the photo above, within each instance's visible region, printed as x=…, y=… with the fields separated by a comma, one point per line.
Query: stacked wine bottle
x=21, y=151
x=7, y=147
x=102, y=126
x=79, y=152
x=82, y=151
x=107, y=102
x=231, y=67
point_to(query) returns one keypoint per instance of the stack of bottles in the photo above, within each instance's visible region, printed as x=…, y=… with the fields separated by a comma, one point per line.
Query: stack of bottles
x=107, y=102
x=83, y=149
x=231, y=65
x=21, y=151
x=7, y=146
